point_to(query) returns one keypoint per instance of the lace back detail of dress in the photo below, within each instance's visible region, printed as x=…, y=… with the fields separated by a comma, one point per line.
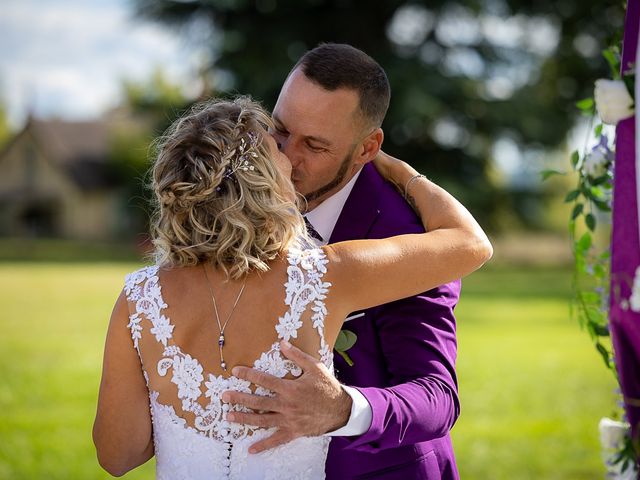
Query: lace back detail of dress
x=304, y=289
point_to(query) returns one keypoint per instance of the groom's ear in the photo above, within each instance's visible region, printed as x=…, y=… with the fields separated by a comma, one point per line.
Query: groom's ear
x=369, y=147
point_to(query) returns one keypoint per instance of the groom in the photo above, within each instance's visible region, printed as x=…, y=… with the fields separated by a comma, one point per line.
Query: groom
x=391, y=413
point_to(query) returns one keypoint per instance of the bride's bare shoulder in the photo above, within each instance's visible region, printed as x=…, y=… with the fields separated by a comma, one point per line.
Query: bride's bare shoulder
x=184, y=277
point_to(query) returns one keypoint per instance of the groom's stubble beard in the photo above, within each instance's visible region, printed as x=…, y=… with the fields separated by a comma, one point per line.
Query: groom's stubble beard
x=337, y=180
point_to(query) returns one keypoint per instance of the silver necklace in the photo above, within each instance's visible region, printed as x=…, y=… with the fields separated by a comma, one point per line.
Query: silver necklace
x=221, y=339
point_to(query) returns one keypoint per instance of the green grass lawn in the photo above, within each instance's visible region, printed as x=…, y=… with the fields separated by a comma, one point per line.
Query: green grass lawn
x=531, y=385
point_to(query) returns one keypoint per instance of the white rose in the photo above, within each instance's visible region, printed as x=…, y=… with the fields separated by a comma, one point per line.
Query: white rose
x=612, y=433
x=595, y=164
x=635, y=292
x=613, y=101
x=635, y=302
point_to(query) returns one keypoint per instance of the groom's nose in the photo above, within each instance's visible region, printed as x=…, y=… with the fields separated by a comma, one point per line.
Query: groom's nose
x=292, y=152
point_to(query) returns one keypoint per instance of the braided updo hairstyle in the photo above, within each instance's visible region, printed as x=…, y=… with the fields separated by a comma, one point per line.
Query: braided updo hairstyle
x=238, y=221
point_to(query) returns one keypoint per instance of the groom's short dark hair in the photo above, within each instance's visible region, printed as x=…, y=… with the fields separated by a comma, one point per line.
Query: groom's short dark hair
x=338, y=65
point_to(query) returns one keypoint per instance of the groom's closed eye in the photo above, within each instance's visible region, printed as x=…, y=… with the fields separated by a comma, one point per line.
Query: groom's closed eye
x=315, y=148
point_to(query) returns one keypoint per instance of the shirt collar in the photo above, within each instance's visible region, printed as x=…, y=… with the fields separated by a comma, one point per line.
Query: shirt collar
x=325, y=216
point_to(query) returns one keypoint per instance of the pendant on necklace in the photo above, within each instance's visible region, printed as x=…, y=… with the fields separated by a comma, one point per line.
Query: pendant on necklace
x=220, y=345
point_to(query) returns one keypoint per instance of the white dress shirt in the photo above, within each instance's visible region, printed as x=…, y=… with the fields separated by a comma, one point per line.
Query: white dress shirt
x=324, y=218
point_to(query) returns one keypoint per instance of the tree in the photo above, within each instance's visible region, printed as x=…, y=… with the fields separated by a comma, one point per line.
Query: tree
x=5, y=129
x=148, y=109
x=463, y=74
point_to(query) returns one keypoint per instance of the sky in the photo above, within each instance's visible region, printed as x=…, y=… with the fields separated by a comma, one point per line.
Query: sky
x=67, y=58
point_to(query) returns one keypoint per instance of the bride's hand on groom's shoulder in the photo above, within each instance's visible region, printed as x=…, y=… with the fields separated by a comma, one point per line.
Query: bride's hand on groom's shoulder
x=310, y=405
x=394, y=170
x=384, y=163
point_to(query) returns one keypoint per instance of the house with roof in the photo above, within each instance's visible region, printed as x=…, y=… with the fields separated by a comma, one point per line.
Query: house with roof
x=56, y=180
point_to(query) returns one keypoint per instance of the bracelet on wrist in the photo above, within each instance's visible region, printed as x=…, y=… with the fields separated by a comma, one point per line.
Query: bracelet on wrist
x=409, y=182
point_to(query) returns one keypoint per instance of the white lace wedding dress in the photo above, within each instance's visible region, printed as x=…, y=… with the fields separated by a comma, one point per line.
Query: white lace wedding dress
x=207, y=446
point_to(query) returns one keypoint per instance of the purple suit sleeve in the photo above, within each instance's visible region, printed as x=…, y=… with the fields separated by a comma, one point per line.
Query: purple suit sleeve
x=418, y=338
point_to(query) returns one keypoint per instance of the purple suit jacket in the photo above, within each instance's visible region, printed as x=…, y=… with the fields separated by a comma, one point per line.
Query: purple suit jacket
x=404, y=359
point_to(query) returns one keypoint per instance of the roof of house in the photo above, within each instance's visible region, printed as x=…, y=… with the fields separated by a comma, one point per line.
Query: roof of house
x=81, y=149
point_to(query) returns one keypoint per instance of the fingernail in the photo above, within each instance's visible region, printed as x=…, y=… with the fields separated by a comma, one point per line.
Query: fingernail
x=286, y=344
x=231, y=417
x=225, y=397
x=235, y=371
x=253, y=450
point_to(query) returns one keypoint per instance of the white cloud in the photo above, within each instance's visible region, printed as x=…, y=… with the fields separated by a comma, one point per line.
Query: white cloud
x=67, y=57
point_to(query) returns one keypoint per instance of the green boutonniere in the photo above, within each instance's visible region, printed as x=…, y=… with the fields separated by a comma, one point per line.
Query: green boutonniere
x=346, y=340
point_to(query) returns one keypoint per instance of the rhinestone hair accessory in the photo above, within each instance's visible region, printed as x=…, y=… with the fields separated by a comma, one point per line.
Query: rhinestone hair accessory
x=243, y=160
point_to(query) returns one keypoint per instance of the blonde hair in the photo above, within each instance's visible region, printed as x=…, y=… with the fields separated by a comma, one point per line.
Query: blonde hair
x=208, y=208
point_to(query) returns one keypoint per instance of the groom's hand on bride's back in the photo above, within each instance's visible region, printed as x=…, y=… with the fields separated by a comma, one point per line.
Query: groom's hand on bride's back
x=312, y=404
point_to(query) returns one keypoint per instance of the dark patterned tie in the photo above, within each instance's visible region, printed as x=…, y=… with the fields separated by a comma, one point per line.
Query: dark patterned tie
x=312, y=231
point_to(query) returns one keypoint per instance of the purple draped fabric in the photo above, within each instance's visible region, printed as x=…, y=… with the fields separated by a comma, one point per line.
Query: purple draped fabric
x=624, y=322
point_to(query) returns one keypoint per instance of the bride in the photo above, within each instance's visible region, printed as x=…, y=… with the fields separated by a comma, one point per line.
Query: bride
x=235, y=279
